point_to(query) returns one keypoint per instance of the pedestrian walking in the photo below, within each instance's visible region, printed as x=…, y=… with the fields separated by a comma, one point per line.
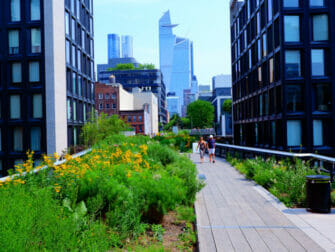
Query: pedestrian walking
x=202, y=146
x=211, y=148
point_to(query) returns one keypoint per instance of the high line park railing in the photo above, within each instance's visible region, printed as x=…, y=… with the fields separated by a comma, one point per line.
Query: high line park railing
x=57, y=163
x=326, y=164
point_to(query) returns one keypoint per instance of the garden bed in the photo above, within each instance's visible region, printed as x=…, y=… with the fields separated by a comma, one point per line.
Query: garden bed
x=285, y=179
x=125, y=190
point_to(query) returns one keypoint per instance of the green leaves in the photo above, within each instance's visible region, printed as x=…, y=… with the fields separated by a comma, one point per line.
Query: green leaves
x=201, y=114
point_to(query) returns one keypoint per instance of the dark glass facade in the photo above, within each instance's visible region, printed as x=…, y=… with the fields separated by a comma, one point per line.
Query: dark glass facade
x=148, y=80
x=22, y=84
x=283, y=74
x=79, y=65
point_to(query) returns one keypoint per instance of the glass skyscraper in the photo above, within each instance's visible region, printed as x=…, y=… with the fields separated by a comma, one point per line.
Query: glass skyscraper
x=114, y=50
x=127, y=47
x=176, y=59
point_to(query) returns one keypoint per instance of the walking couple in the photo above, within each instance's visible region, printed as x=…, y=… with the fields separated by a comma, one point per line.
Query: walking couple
x=210, y=146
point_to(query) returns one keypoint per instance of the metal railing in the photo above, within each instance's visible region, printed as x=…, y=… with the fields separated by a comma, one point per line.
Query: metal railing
x=57, y=163
x=250, y=152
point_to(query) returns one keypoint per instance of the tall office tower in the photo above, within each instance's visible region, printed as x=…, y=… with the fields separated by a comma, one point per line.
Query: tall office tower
x=44, y=91
x=283, y=64
x=114, y=49
x=127, y=46
x=176, y=59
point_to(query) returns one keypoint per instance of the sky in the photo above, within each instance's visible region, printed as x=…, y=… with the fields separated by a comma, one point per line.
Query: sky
x=205, y=22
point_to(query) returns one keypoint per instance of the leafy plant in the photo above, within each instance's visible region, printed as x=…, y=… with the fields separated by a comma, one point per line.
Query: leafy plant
x=158, y=232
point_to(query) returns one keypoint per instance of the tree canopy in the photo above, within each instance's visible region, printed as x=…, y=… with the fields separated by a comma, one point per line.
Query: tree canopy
x=130, y=66
x=176, y=120
x=227, y=106
x=201, y=114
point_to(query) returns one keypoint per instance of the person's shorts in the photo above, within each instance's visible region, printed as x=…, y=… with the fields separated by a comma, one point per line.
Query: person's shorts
x=211, y=151
x=202, y=153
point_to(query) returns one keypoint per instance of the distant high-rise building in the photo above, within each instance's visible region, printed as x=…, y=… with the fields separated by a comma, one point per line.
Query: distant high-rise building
x=114, y=49
x=283, y=65
x=221, y=81
x=46, y=76
x=127, y=47
x=176, y=59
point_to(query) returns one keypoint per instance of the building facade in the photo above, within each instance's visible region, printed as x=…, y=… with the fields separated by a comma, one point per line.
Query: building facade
x=114, y=49
x=127, y=46
x=146, y=80
x=176, y=59
x=221, y=81
x=223, y=121
x=36, y=74
x=139, y=109
x=283, y=60
x=172, y=104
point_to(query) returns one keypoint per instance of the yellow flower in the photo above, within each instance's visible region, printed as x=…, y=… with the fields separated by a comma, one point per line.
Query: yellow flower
x=129, y=174
x=56, y=156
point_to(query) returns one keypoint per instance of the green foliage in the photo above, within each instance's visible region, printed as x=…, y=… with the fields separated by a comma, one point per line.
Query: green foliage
x=185, y=213
x=130, y=66
x=201, y=114
x=99, y=128
x=227, y=106
x=100, y=201
x=176, y=120
x=188, y=238
x=181, y=142
x=285, y=179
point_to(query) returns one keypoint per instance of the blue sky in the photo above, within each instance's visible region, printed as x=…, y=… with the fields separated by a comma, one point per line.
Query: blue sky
x=206, y=22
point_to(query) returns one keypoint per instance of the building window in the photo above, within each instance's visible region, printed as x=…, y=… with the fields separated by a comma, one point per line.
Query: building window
x=318, y=62
x=15, y=107
x=270, y=10
x=258, y=23
x=100, y=96
x=259, y=47
x=292, y=28
x=320, y=27
x=17, y=139
x=74, y=83
x=35, y=139
x=107, y=96
x=290, y=3
x=134, y=118
x=140, y=118
x=317, y=3
x=15, y=10
x=317, y=133
x=84, y=112
x=69, y=109
x=16, y=72
x=114, y=106
x=101, y=106
x=68, y=59
x=75, y=136
x=271, y=71
x=37, y=106
x=107, y=106
x=67, y=23
x=264, y=45
x=35, y=40
x=294, y=133
x=295, y=101
x=73, y=29
x=129, y=118
x=74, y=110
x=34, y=71
x=73, y=55
x=79, y=85
x=78, y=9
x=79, y=59
x=13, y=41
x=322, y=97
x=35, y=10
x=292, y=63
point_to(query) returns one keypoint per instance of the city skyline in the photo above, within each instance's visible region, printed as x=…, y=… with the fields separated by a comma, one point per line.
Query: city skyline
x=125, y=17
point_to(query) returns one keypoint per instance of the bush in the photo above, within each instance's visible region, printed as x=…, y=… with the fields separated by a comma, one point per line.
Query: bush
x=96, y=202
x=286, y=180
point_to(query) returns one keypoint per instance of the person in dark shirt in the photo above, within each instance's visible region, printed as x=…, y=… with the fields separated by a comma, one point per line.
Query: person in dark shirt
x=211, y=148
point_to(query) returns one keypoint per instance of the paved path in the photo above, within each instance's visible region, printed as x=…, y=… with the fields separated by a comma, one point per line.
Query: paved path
x=233, y=216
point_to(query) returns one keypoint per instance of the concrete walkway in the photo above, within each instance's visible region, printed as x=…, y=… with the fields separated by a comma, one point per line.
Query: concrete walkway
x=234, y=214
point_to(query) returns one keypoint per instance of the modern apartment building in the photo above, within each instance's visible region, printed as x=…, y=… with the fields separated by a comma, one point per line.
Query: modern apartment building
x=283, y=65
x=46, y=76
x=114, y=49
x=127, y=46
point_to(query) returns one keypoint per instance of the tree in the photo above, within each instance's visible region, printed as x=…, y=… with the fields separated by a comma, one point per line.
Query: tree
x=201, y=114
x=130, y=66
x=146, y=67
x=227, y=106
x=100, y=127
